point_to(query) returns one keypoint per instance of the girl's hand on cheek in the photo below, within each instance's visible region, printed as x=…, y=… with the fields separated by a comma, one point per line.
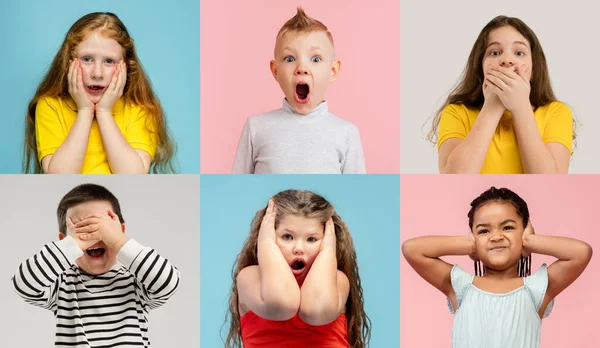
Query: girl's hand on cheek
x=114, y=91
x=329, y=240
x=76, y=87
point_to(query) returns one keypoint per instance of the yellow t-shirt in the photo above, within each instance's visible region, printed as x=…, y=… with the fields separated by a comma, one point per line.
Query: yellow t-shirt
x=54, y=118
x=554, y=121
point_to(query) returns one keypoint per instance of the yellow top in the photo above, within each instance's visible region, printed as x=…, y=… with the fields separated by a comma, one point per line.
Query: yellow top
x=54, y=118
x=554, y=121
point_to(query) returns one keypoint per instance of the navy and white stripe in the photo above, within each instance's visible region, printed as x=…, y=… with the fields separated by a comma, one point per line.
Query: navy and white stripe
x=97, y=311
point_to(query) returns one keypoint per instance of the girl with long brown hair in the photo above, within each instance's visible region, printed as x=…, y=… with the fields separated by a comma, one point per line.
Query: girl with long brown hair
x=503, y=116
x=95, y=112
x=296, y=281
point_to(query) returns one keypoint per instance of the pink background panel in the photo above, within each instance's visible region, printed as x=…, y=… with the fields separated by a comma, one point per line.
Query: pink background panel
x=237, y=39
x=559, y=205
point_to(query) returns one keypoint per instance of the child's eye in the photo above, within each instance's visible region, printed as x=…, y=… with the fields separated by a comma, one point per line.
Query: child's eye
x=482, y=231
x=109, y=61
x=509, y=228
x=286, y=237
x=86, y=59
x=494, y=53
x=312, y=239
x=316, y=59
x=520, y=53
x=289, y=59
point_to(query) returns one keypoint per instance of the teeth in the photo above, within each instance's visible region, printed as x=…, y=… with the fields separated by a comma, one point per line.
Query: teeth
x=94, y=249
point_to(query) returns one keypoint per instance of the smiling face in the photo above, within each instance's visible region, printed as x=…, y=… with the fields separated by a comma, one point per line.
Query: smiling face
x=299, y=240
x=98, y=56
x=97, y=259
x=498, y=231
x=509, y=49
x=304, y=65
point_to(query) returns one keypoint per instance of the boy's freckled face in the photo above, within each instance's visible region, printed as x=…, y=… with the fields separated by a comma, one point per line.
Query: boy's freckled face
x=304, y=65
x=97, y=259
x=98, y=56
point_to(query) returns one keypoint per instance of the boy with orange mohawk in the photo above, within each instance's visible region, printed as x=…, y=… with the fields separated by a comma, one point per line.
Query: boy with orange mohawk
x=302, y=137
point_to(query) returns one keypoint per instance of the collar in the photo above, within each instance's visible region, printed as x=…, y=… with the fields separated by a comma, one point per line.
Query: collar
x=319, y=109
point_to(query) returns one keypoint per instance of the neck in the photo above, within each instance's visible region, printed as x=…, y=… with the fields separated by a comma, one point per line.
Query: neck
x=509, y=273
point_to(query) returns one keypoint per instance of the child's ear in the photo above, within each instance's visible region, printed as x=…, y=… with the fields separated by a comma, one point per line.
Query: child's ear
x=335, y=69
x=61, y=236
x=273, y=68
x=123, y=228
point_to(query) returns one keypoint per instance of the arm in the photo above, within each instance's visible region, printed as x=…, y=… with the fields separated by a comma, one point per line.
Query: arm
x=537, y=157
x=466, y=156
x=123, y=158
x=573, y=257
x=269, y=289
x=423, y=254
x=158, y=277
x=37, y=279
x=354, y=160
x=325, y=290
x=244, y=157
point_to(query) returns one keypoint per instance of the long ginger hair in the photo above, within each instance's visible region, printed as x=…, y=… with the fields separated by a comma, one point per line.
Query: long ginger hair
x=311, y=206
x=137, y=90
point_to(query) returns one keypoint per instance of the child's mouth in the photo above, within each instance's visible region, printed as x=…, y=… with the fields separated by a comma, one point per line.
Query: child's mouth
x=297, y=266
x=95, y=252
x=95, y=89
x=302, y=93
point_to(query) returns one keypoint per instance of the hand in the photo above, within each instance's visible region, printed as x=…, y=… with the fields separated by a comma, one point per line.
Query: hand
x=529, y=231
x=114, y=91
x=512, y=88
x=473, y=255
x=76, y=88
x=266, y=233
x=329, y=240
x=84, y=244
x=103, y=227
x=491, y=100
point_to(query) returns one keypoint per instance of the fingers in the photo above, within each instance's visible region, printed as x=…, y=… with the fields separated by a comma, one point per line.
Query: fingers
x=87, y=221
x=88, y=236
x=113, y=216
x=496, y=82
x=70, y=225
x=270, y=214
x=88, y=228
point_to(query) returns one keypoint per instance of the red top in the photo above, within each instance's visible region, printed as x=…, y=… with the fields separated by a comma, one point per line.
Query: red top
x=293, y=333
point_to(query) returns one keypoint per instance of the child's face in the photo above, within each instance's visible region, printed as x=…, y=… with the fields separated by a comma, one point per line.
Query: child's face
x=98, y=56
x=498, y=231
x=508, y=48
x=304, y=66
x=101, y=259
x=299, y=240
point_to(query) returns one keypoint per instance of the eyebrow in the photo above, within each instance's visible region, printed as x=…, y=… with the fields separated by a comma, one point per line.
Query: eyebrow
x=502, y=223
x=516, y=42
x=285, y=230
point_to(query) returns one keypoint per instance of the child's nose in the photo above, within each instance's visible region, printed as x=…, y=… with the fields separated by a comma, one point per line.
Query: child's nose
x=301, y=70
x=97, y=72
x=506, y=62
x=298, y=249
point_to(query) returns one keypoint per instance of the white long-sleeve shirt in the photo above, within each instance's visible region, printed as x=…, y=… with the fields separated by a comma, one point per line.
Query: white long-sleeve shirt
x=107, y=310
x=284, y=142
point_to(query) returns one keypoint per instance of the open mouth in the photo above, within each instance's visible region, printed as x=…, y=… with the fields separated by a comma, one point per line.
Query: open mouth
x=302, y=93
x=298, y=266
x=95, y=252
x=95, y=89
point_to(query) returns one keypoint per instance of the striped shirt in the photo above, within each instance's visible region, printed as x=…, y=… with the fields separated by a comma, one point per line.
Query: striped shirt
x=97, y=311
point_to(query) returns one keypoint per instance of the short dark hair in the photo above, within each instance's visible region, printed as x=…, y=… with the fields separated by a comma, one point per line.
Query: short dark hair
x=81, y=194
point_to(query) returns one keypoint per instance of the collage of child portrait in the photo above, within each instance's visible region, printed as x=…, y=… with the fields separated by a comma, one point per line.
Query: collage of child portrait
x=299, y=174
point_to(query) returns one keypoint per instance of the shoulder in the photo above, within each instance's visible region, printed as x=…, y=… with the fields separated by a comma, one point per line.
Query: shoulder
x=554, y=108
x=340, y=123
x=248, y=273
x=459, y=110
x=52, y=102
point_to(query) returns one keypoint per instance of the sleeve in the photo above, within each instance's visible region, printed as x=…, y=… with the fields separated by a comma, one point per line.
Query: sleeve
x=461, y=280
x=537, y=284
x=49, y=132
x=244, y=156
x=354, y=159
x=452, y=124
x=141, y=131
x=158, y=278
x=37, y=279
x=559, y=126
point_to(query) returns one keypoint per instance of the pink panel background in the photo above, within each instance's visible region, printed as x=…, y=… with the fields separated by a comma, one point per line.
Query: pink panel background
x=559, y=205
x=237, y=38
